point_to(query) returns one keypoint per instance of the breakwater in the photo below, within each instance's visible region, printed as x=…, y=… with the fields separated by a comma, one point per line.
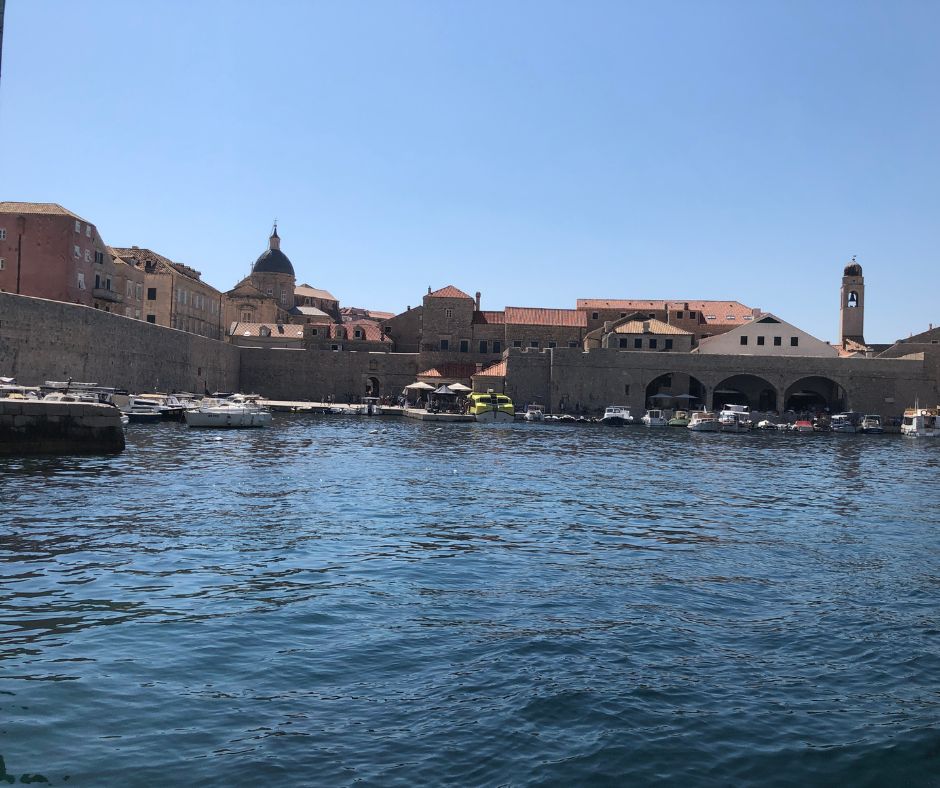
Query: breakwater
x=43, y=427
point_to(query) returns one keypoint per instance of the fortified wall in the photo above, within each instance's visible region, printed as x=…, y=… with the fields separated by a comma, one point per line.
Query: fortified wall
x=50, y=340
x=568, y=379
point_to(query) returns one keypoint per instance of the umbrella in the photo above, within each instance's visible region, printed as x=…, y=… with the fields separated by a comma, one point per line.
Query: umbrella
x=661, y=396
x=727, y=391
x=444, y=390
x=458, y=387
x=421, y=386
x=686, y=396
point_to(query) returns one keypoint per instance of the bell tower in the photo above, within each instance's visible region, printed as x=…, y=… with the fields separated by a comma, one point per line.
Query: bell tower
x=852, y=306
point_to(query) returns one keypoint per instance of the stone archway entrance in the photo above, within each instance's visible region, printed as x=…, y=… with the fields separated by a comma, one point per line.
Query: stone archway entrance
x=815, y=394
x=751, y=390
x=373, y=387
x=678, y=390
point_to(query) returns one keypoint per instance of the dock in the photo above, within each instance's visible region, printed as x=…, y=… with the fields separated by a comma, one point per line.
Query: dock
x=423, y=415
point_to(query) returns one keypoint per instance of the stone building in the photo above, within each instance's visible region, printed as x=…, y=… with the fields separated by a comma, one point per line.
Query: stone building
x=307, y=298
x=266, y=295
x=360, y=335
x=175, y=295
x=767, y=335
x=46, y=251
x=638, y=332
x=852, y=305
x=280, y=335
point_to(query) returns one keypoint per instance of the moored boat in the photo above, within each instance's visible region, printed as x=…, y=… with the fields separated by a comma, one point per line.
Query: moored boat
x=654, y=418
x=232, y=413
x=616, y=416
x=490, y=407
x=921, y=422
x=802, y=425
x=734, y=418
x=703, y=421
x=534, y=412
x=680, y=419
x=842, y=422
x=871, y=424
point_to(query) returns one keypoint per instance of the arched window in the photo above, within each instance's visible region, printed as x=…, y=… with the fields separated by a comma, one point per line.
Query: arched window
x=852, y=300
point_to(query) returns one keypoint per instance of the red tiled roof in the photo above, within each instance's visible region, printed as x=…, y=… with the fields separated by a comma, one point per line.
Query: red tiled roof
x=453, y=370
x=278, y=331
x=48, y=208
x=497, y=370
x=314, y=292
x=526, y=316
x=142, y=255
x=719, y=312
x=653, y=326
x=489, y=318
x=448, y=292
x=371, y=332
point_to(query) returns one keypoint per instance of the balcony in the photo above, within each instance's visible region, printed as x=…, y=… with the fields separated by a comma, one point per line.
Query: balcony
x=107, y=295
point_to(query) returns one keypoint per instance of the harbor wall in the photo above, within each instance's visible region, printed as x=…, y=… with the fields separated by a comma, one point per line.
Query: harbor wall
x=35, y=427
x=51, y=340
x=570, y=379
x=290, y=374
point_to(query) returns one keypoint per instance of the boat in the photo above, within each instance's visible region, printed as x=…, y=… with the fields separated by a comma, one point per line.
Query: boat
x=921, y=422
x=490, y=407
x=842, y=422
x=767, y=424
x=871, y=425
x=616, y=416
x=370, y=407
x=703, y=421
x=235, y=412
x=654, y=418
x=534, y=413
x=679, y=419
x=168, y=406
x=140, y=411
x=734, y=418
x=802, y=425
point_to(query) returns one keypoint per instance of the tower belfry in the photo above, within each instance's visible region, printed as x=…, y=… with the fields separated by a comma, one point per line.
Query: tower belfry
x=852, y=304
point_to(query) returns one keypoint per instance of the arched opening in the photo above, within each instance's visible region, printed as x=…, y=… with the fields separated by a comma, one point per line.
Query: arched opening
x=815, y=395
x=751, y=390
x=676, y=390
x=372, y=387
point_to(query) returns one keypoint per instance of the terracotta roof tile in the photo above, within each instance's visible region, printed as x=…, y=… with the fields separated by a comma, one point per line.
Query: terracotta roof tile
x=371, y=332
x=448, y=292
x=497, y=370
x=454, y=371
x=527, y=316
x=652, y=326
x=314, y=292
x=278, y=331
x=142, y=255
x=716, y=312
x=47, y=208
x=489, y=318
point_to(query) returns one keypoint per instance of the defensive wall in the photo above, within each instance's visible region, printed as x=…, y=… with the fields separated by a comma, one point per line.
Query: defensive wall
x=51, y=340
x=570, y=379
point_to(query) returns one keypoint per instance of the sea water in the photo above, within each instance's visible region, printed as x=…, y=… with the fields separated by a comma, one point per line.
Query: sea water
x=375, y=601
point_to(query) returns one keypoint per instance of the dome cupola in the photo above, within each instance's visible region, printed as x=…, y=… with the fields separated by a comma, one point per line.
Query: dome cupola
x=273, y=260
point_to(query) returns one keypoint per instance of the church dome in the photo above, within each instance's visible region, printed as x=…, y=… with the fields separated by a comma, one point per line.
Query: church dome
x=273, y=260
x=852, y=269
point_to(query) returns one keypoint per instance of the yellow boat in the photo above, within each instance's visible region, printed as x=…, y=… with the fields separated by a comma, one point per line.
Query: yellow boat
x=491, y=407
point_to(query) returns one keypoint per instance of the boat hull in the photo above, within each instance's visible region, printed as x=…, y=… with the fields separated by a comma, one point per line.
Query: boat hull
x=615, y=421
x=234, y=420
x=703, y=426
x=491, y=416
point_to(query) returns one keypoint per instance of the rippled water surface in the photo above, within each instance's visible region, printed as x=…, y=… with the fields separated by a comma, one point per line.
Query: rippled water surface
x=337, y=600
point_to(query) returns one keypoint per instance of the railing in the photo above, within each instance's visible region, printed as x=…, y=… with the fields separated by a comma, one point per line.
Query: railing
x=107, y=295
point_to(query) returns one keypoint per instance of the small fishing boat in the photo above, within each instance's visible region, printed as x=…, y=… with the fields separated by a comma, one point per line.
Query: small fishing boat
x=654, y=418
x=871, y=425
x=767, y=424
x=616, y=416
x=802, y=425
x=679, y=419
x=703, y=421
x=842, y=422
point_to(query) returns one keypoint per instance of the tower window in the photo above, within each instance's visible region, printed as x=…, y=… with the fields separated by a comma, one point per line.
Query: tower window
x=852, y=301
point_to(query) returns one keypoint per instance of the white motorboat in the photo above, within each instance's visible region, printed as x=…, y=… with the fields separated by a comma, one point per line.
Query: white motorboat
x=872, y=425
x=231, y=413
x=703, y=421
x=534, y=413
x=616, y=416
x=734, y=418
x=921, y=422
x=654, y=418
x=767, y=424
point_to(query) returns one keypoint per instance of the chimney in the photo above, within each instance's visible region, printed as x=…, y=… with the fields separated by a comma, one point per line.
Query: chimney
x=478, y=300
x=646, y=326
x=686, y=305
x=607, y=325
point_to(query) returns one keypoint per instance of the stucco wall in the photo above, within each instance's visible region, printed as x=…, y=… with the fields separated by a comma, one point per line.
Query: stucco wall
x=49, y=340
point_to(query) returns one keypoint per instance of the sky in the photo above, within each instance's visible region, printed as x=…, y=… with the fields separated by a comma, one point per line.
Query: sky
x=538, y=152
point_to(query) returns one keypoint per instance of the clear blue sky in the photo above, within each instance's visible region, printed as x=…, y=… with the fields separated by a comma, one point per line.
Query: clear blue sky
x=536, y=151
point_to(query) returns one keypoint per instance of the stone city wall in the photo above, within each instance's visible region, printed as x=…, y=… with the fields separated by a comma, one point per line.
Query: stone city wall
x=313, y=375
x=49, y=340
x=592, y=380
x=40, y=427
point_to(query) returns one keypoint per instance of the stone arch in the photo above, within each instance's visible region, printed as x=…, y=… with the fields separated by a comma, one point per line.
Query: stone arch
x=815, y=393
x=684, y=390
x=752, y=390
x=373, y=387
